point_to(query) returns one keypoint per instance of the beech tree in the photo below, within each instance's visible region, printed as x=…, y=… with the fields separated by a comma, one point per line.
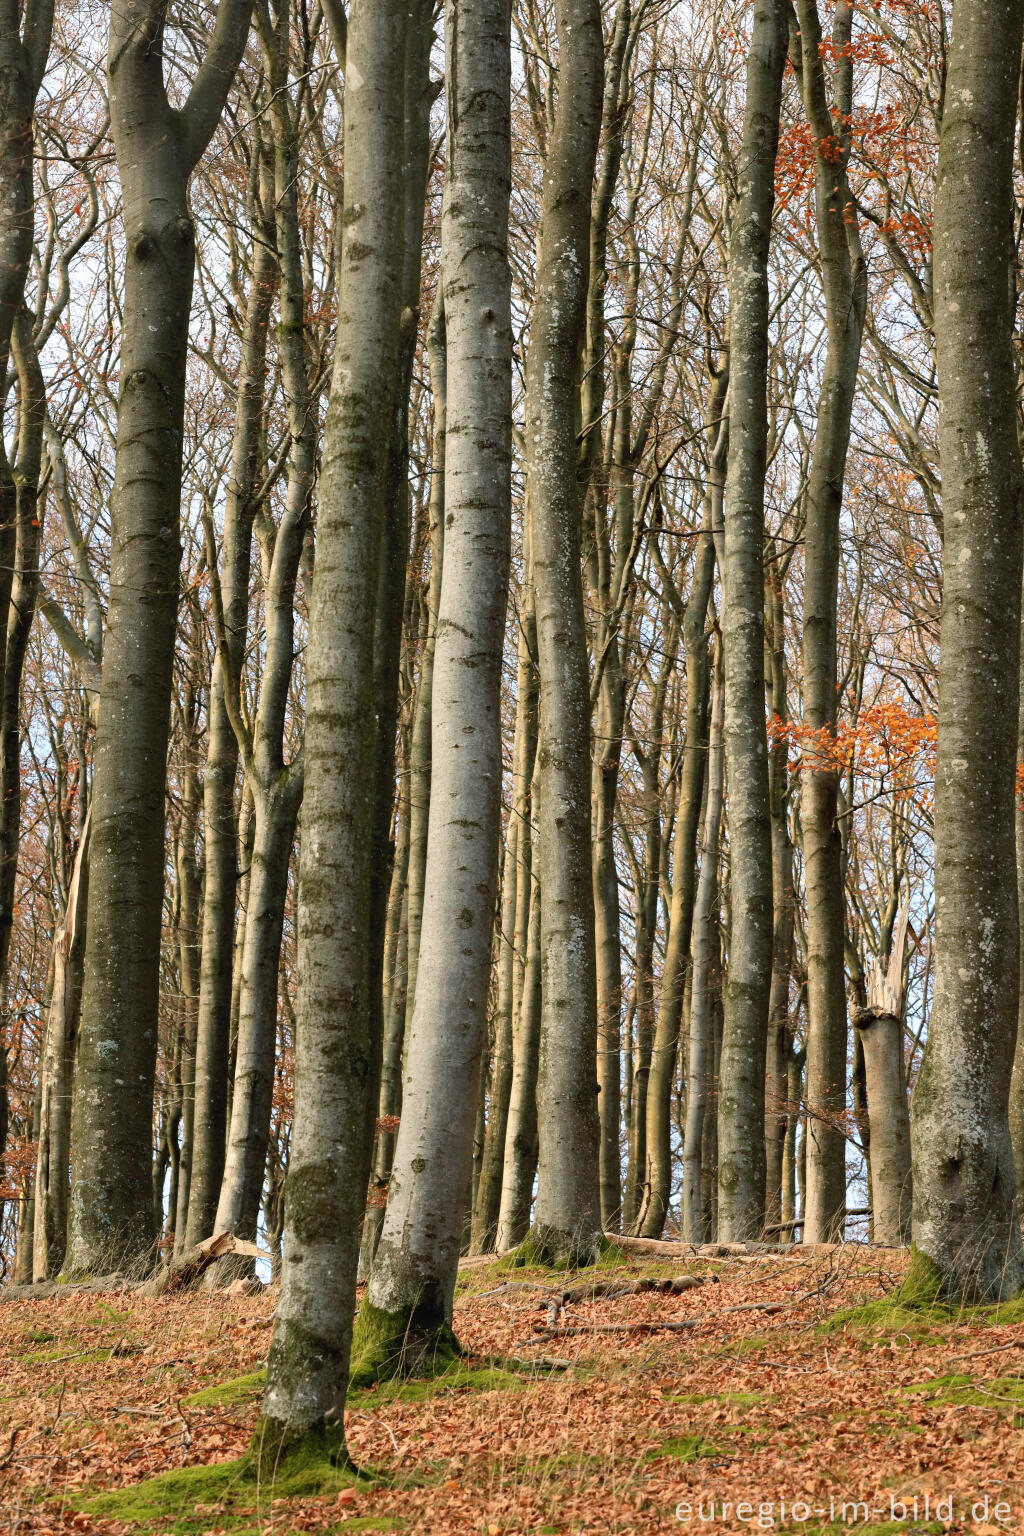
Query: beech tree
x=307, y=1373
x=158, y=147
x=408, y=1305
x=966, y=1228
x=567, y=1218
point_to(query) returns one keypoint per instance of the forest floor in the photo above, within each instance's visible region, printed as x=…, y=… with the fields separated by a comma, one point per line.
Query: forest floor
x=779, y=1408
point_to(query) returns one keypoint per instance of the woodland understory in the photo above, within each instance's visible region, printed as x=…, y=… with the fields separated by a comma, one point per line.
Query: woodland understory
x=796, y=1381
x=511, y=760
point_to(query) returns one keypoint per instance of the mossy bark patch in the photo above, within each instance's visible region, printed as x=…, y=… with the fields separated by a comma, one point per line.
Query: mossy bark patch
x=386, y=1345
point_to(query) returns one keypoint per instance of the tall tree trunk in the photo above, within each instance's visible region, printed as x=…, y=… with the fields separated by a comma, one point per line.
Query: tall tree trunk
x=844, y=280
x=966, y=1227
x=307, y=1374
x=1016, y=1107
x=418, y=96
x=492, y=1158
x=59, y=1044
x=242, y=1184
x=665, y=1049
x=741, y=1167
x=700, y=1067
x=189, y=883
x=390, y=1098
x=780, y=1043
x=567, y=1219
x=220, y=821
x=520, y=1165
x=406, y=1316
x=157, y=148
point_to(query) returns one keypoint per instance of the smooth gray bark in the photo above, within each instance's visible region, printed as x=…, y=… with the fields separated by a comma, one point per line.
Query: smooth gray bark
x=158, y=147
x=567, y=1218
x=307, y=1373
x=844, y=279
x=220, y=821
x=700, y=1073
x=414, y=1270
x=741, y=1167
x=966, y=1228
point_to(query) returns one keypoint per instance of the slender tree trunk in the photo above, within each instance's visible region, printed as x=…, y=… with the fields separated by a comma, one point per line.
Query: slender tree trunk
x=966, y=1227
x=521, y=1132
x=780, y=1045
x=157, y=149
x=790, y=1157
x=220, y=821
x=648, y=890
x=665, y=1049
x=307, y=1374
x=488, y=1195
x=189, y=882
x=242, y=1184
x=567, y=1220
x=741, y=1167
x=419, y=792
x=700, y=1073
x=881, y=1034
x=419, y=775
x=844, y=281
x=1016, y=1108
x=418, y=96
x=406, y=1317
x=54, y=1148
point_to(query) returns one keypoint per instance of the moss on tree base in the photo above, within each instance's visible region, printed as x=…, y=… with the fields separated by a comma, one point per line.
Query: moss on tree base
x=922, y=1283
x=548, y=1248
x=411, y=1342
x=289, y=1467
x=280, y=1451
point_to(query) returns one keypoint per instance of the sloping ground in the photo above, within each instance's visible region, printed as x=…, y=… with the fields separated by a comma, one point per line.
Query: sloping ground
x=773, y=1401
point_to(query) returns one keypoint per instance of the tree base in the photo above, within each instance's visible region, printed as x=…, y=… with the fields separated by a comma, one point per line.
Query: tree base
x=927, y=1284
x=548, y=1248
x=281, y=1452
x=387, y=1345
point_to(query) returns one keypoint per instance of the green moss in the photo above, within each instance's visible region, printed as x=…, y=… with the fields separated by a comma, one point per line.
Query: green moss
x=311, y=1460
x=225, y=1394
x=918, y=1318
x=373, y=1523
x=887, y=1315
x=741, y=1399
x=887, y=1528
x=748, y=1344
x=458, y=1377
x=386, y=1345
x=547, y=1248
x=922, y=1284
x=1001, y=1391
x=181, y=1501
x=686, y=1448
